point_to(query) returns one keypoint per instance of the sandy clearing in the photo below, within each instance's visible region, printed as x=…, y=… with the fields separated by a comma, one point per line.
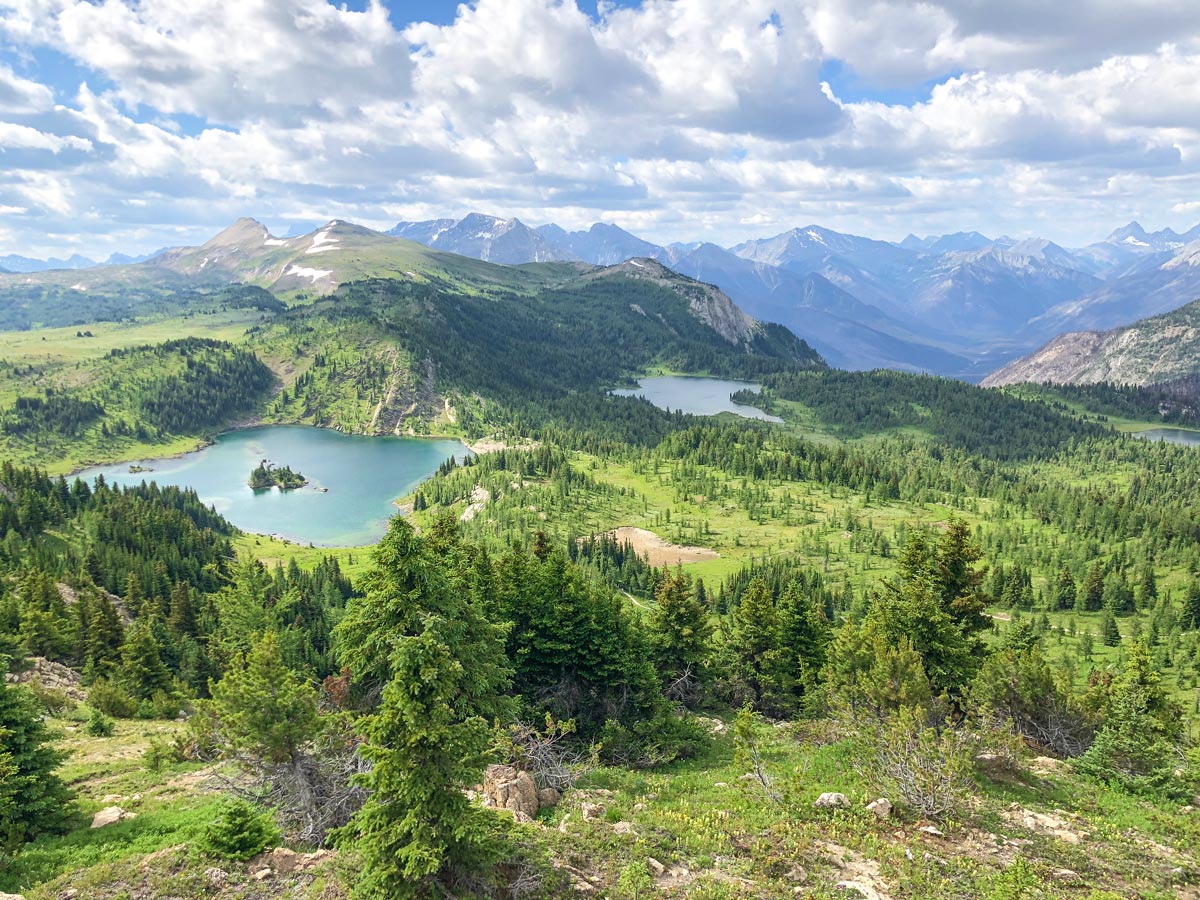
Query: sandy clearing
x=659, y=552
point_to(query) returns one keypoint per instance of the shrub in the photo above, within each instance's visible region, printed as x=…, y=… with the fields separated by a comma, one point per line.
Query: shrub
x=99, y=725
x=54, y=701
x=239, y=831
x=927, y=767
x=112, y=699
x=156, y=755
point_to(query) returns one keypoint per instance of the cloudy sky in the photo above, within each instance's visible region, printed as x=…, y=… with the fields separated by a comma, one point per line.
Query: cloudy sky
x=131, y=124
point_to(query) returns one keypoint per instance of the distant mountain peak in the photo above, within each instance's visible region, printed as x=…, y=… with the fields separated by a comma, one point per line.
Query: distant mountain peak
x=245, y=232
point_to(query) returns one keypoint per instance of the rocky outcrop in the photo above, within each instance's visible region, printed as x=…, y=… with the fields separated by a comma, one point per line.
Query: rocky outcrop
x=51, y=676
x=1161, y=348
x=506, y=787
x=831, y=800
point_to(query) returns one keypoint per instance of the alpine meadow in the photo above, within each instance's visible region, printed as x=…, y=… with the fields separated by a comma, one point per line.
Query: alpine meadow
x=356, y=544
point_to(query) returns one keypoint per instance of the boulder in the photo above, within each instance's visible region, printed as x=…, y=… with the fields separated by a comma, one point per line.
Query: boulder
x=262, y=874
x=623, y=828
x=933, y=831
x=657, y=869
x=281, y=860
x=12, y=896
x=881, y=807
x=831, y=800
x=592, y=811
x=505, y=787
x=111, y=815
x=548, y=797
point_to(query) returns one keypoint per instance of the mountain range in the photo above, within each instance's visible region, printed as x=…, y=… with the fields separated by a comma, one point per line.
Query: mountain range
x=960, y=305
x=1158, y=349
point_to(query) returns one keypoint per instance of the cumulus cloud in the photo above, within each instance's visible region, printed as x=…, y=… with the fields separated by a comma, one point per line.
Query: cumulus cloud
x=675, y=118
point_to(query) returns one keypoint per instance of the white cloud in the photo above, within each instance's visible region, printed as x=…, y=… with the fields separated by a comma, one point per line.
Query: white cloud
x=678, y=118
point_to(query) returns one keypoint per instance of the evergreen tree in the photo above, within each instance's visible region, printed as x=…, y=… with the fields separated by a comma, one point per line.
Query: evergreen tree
x=265, y=708
x=1191, y=606
x=679, y=634
x=1065, y=590
x=1110, y=632
x=445, y=672
x=1091, y=591
x=33, y=800
x=142, y=669
x=103, y=637
x=753, y=663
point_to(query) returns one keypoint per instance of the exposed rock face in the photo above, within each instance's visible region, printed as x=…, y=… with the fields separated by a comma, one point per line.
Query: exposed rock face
x=504, y=787
x=53, y=676
x=1158, y=349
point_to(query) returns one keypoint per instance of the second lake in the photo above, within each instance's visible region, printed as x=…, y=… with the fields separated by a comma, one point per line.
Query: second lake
x=695, y=395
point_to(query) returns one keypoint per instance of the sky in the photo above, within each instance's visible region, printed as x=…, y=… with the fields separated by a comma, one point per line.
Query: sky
x=128, y=125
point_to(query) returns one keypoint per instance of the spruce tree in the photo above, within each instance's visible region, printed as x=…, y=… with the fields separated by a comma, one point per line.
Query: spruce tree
x=1091, y=591
x=445, y=673
x=679, y=632
x=1191, y=606
x=33, y=800
x=1110, y=632
x=142, y=669
x=1065, y=590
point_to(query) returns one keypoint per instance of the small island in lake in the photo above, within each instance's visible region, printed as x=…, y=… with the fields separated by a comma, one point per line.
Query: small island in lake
x=268, y=476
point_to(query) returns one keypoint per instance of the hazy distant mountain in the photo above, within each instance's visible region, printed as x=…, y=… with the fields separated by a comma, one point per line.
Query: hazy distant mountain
x=1146, y=291
x=488, y=238
x=993, y=293
x=602, y=244
x=120, y=259
x=951, y=243
x=1131, y=248
x=807, y=249
x=25, y=264
x=1158, y=349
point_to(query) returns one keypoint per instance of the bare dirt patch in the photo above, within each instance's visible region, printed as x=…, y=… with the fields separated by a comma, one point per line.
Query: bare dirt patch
x=657, y=551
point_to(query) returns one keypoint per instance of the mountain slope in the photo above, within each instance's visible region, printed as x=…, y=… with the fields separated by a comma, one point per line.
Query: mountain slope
x=1158, y=349
x=1161, y=288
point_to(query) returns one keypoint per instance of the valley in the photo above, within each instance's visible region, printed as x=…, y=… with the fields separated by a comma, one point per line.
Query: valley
x=623, y=417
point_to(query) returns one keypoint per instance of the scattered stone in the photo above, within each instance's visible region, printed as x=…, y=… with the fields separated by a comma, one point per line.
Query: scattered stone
x=831, y=800
x=655, y=797
x=624, y=828
x=504, y=787
x=1046, y=765
x=592, y=811
x=548, y=797
x=933, y=830
x=12, y=897
x=68, y=894
x=863, y=890
x=720, y=784
x=522, y=818
x=1064, y=875
x=581, y=886
x=881, y=807
x=111, y=815
x=215, y=876
x=282, y=860
x=262, y=874
x=657, y=869
x=797, y=873
x=638, y=807
x=1046, y=823
x=1187, y=809
x=562, y=826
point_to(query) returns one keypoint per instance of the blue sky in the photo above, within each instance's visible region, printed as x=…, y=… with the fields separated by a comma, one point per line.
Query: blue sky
x=126, y=126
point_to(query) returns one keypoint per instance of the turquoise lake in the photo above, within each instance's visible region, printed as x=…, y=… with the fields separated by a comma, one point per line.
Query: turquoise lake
x=352, y=480
x=695, y=395
x=1172, y=436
